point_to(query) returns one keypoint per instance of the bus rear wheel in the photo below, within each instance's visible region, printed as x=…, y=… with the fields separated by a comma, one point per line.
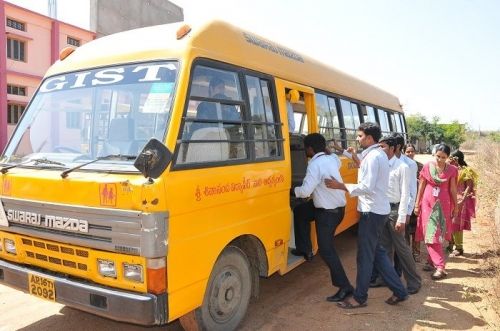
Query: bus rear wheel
x=228, y=292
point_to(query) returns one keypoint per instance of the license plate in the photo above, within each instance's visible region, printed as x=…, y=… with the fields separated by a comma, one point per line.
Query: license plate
x=42, y=287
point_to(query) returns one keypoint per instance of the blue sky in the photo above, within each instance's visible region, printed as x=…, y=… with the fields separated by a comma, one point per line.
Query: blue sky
x=440, y=57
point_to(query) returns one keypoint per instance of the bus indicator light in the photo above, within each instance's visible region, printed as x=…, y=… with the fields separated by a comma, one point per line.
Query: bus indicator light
x=65, y=52
x=183, y=31
x=156, y=275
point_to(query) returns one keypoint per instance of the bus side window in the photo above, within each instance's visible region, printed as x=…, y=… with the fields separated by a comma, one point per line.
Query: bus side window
x=369, y=114
x=335, y=118
x=213, y=122
x=402, y=119
x=394, y=128
x=264, y=124
x=383, y=121
x=325, y=123
x=351, y=121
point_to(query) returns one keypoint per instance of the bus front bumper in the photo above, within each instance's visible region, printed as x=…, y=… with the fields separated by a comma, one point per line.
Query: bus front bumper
x=119, y=305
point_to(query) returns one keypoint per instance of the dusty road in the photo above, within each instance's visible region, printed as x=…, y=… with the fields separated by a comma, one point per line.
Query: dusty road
x=296, y=301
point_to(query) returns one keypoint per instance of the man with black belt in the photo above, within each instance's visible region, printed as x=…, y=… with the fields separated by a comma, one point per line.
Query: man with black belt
x=393, y=233
x=329, y=208
x=373, y=205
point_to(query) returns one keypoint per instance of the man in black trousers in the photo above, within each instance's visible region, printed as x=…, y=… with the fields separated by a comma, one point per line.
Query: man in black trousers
x=329, y=207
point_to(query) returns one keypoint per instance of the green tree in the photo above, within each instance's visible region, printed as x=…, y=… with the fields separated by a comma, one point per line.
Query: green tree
x=454, y=134
x=418, y=127
x=435, y=134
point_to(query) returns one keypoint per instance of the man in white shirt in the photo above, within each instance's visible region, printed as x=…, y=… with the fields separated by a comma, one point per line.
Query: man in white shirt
x=412, y=165
x=413, y=189
x=374, y=207
x=329, y=208
x=393, y=233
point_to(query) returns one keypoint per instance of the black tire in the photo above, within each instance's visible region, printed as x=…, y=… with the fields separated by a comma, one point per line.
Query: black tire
x=228, y=292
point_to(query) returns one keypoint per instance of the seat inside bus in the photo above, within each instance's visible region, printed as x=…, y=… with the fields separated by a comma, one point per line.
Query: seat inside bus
x=211, y=150
x=120, y=136
x=298, y=159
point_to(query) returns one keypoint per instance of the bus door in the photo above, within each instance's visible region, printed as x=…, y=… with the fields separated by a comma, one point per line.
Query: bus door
x=298, y=118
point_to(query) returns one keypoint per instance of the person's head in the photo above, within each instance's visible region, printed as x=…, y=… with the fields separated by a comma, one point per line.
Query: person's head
x=314, y=143
x=368, y=134
x=216, y=86
x=410, y=150
x=442, y=153
x=389, y=145
x=400, y=140
x=458, y=158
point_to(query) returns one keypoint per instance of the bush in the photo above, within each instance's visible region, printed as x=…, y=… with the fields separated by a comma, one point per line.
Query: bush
x=485, y=161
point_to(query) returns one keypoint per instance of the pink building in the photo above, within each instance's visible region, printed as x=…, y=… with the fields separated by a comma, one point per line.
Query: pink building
x=29, y=44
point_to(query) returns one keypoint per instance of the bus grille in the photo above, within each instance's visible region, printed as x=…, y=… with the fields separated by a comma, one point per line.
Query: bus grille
x=47, y=252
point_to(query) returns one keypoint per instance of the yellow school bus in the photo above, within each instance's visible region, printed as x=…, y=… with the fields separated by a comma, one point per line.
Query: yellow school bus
x=149, y=178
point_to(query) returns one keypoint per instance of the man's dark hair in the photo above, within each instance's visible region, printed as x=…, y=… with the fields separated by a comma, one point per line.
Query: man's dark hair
x=443, y=148
x=389, y=140
x=316, y=141
x=400, y=140
x=371, y=129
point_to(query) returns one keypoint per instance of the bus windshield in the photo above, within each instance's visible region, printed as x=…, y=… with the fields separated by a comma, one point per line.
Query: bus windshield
x=76, y=117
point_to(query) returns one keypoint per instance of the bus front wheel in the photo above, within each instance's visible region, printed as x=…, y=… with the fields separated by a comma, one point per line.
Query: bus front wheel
x=228, y=292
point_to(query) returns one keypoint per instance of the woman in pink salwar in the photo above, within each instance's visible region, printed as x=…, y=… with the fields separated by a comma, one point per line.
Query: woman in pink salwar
x=466, y=201
x=435, y=206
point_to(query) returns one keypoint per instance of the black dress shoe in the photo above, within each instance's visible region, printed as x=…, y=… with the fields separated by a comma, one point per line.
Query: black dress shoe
x=296, y=252
x=341, y=295
x=307, y=257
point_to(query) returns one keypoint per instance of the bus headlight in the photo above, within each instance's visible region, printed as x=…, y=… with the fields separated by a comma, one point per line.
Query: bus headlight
x=133, y=272
x=10, y=246
x=106, y=268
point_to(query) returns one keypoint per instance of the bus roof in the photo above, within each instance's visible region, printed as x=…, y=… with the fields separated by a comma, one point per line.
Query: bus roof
x=226, y=43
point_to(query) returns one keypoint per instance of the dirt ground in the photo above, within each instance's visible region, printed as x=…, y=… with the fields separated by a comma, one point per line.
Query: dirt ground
x=296, y=301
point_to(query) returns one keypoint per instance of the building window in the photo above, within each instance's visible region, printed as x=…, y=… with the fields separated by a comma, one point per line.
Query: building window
x=73, y=41
x=73, y=120
x=17, y=90
x=15, y=49
x=16, y=25
x=14, y=112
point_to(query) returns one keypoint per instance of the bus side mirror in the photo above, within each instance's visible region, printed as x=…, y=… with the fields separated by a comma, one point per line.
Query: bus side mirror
x=153, y=159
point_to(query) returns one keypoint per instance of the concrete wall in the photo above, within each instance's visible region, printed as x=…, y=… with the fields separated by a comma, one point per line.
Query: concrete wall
x=111, y=16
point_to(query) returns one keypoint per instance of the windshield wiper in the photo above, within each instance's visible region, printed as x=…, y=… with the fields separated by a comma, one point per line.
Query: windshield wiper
x=65, y=173
x=4, y=170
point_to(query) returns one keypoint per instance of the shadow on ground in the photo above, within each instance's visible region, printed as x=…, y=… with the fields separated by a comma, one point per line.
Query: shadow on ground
x=296, y=301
